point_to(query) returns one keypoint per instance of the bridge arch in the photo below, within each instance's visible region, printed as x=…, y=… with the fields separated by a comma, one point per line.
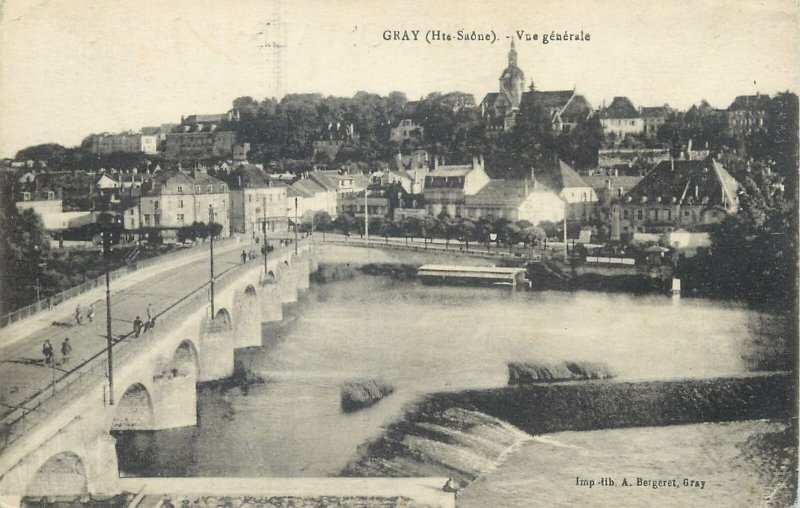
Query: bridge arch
x=224, y=315
x=185, y=361
x=62, y=477
x=250, y=290
x=134, y=409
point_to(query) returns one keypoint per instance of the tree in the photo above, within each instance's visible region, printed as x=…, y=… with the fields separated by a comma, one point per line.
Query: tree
x=410, y=226
x=215, y=229
x=323, y=221
x=466, y=231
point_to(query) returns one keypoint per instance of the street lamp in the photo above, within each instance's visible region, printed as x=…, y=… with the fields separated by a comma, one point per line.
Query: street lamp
x=492, y=238
x=109, y=338
x=295, y=226
x=211, y=252
x=264, y=215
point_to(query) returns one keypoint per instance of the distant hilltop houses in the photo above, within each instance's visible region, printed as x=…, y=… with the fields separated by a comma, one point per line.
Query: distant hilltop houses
x=387, y=158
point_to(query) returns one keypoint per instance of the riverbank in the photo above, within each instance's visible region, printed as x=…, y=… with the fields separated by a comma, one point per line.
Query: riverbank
x=447, y=433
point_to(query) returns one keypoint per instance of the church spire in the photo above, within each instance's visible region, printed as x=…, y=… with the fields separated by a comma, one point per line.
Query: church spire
x=512, y=55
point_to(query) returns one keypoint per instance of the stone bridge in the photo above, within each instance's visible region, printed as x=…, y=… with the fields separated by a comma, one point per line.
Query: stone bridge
x=62, y=447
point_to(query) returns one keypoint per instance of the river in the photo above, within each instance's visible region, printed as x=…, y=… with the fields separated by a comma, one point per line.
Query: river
x=423, y=339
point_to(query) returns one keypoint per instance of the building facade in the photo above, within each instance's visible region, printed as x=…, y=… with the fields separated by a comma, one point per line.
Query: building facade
x=176, y=199
x=446, y=187
x=256, y=200
x=514, y=200
x=621, y=118
x=676, y=194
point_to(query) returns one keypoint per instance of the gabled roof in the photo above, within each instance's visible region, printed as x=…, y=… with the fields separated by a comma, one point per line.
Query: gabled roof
x=656, y=111
x=680, y=181
x=490, y=98
x=599, y=182
x=621, y=107
x=556, y=99
x=451, y=170
x=503, y=193
x=306, y=187
x=247, y=176
x=560, y=176
x=742, y=102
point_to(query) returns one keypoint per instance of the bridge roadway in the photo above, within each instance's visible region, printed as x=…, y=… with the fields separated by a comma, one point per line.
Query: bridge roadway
x=22, y=369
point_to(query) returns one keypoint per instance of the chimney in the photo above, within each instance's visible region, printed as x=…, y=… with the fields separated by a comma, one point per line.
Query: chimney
x=474, y=162
x=696, y=191
x=608, y=184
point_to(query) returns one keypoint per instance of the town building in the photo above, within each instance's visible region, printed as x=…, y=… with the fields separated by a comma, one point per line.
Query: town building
x=676, y=194
x=255, y=200
x=311, y=198
x=406, y=130
x=332, y=139
x=611, y=187
x=129, y=142
x=653, y=118
x=578, y=195
x=747, y=114
x=416, y=165
x=344, y=185
x=621, y=118
x=199, y=145
x=629, y=161
x=499, y=109
x=160, y=132
x=175, y=199
x=446, y=187
x=514, y=200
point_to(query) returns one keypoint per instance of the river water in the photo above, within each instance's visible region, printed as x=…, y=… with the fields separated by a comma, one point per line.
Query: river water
x=423, y=339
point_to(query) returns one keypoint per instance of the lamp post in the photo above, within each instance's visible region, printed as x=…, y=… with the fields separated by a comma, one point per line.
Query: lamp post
x=109, y=337
x=366, y=218
x=264, y=215
x=36, y=270
x=295, y=226
x=492, y=237
x=211, y=250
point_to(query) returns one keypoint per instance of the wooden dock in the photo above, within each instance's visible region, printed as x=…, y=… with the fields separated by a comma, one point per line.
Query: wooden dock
x=487, y=275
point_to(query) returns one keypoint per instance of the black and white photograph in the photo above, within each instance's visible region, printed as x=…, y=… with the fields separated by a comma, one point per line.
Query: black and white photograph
x=399, y=253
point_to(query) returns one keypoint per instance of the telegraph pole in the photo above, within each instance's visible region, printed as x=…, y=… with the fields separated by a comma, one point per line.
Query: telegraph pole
x=295, y=226
x=366, y=218
x=265, y=236
x=109, y=337
x=211, y=235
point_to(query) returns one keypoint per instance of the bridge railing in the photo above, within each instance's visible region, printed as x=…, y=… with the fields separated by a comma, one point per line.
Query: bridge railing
x=68, y=385
x=49, y=303
x=453, y=248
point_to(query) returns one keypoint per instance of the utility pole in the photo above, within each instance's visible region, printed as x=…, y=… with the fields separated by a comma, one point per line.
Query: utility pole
x=366, y=218
x=109, y=337
x=211, y=236
x=295, y=226
x=265, y=236
x=565, y=231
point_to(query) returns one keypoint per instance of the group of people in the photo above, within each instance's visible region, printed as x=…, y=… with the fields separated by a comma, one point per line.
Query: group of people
x=47, y=351
x=79, y=314
x=140, y=327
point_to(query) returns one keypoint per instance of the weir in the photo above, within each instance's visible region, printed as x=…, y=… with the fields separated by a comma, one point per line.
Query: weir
x=60, y=445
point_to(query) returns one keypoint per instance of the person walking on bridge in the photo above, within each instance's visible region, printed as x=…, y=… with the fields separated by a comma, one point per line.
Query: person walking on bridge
x=137, y=326
x=47, y=351
x=244, y=257
x=66, y=350
x=78, y=314
x=90, y=313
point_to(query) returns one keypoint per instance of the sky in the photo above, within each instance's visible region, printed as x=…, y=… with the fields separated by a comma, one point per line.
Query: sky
x=69, y=68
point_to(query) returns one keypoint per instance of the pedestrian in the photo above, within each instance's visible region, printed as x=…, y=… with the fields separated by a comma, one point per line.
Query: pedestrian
x=90, y=313
x=78, y=314
x=66, y=350
x=47, y=351
x=149, y=311
x=137, y=326
x=244, y=257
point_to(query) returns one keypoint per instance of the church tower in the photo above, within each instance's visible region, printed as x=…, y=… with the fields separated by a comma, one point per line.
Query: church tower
x=512, y=81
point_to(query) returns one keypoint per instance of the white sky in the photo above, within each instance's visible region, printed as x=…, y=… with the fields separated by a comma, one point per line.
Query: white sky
x=72, y=67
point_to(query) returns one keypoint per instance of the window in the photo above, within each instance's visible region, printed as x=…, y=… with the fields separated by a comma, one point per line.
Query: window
x=222, y=187
x=639, y=214
x=624, y=214
x=26, y=196
x=666, y=214
x=157, y=219
x=180, y=189
x=653, y=214
x=250, y=198
x=209, y=188
x=147, y=219
x=180, y=204
x=155, y=205
x=197, y=188
x=180, y=218
x=51, y=195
